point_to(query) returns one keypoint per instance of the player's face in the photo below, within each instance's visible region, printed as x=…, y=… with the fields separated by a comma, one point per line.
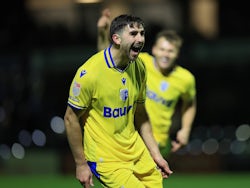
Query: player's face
x=132, y=40
x=165, y=54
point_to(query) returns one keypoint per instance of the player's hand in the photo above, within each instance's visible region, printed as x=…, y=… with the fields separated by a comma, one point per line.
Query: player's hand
x=163, y=166
x=105, y=20
x=84, y=175
x=182, y=138
x=175, y=146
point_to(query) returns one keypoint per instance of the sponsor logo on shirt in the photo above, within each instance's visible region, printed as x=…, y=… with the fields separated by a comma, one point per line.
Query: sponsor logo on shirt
x=116, y=112
x=158, y=99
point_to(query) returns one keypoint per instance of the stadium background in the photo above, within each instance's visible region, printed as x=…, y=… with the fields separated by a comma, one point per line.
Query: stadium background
x=43, y=42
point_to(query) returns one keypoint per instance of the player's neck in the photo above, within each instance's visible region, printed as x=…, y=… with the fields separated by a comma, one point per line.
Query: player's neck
x=121, y=61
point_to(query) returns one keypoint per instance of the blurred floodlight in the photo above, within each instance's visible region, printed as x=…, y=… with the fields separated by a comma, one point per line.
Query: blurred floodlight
x=57, y=125
x=39, y=138
x=5, y=151
x=18, y=151
x=224, y=146
x=25, y=138
x=194, y=147
x=2, y=114
x=210, y=146
x=238, y=147
x=243, y=132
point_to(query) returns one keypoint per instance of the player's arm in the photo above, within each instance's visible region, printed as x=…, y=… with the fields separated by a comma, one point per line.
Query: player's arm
x=145, y=130
x=75, y=139
x=188, y=112
x=103, y=25
x=188, y=115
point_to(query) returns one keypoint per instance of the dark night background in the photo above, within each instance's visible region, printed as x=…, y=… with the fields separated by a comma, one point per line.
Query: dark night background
x=38, y=61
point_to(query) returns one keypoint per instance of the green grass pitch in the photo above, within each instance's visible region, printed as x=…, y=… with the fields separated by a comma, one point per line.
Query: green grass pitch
x=232, y=180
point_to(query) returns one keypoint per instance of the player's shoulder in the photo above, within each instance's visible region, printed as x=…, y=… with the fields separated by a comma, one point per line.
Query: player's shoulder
x=91, y=66
x=97, y=57
x=146, y=57
x=184, y=73
x=140, y=63
x=93, y=62
x=183, y=70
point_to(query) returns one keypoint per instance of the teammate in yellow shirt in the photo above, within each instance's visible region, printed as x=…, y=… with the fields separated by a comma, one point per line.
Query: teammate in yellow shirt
x=167, y=85
x=106, y=123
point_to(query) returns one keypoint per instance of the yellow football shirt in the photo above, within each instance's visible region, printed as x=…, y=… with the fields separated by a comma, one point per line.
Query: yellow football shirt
x=163, y=93
x=109, y=96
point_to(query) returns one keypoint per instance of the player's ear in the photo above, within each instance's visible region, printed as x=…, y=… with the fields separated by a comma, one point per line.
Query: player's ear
x=116, y=38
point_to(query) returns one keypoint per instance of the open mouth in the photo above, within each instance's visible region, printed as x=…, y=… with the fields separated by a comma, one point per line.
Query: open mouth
x=165, y=60
x=136, y=49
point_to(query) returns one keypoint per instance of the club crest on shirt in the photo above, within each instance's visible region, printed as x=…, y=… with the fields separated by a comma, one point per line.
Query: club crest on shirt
x=124, y=94
x=76, y=89
x=164, y=86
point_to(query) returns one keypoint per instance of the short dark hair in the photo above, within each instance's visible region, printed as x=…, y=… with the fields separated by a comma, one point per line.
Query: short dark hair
x=121, y=21
x=170, y=36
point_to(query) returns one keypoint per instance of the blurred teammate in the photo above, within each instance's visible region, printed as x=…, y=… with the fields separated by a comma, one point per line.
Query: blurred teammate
x=106, y=100
x=168, y=84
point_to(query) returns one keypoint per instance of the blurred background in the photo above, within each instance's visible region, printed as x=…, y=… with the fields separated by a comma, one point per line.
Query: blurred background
x=43, y=42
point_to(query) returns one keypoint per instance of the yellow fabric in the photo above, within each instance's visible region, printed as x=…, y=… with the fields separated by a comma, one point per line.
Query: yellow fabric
x=109, y=97
x=139, y=174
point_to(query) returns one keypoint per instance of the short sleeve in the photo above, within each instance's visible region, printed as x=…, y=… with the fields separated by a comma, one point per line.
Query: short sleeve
x=190, y=93
x=80, y=93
